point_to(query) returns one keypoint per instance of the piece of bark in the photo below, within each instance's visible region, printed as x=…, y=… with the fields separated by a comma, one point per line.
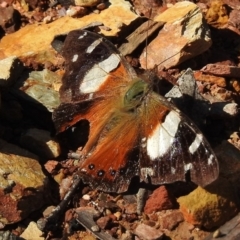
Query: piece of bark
x=139, y=36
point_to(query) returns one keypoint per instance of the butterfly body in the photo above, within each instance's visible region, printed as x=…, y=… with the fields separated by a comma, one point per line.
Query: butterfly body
x=133, y=130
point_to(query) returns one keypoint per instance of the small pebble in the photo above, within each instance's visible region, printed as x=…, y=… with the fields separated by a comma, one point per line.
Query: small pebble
x=108, y=212
x=47, y=19
x=95, y=228
x=118, y=215
x=101, y=6
x=217, y=234
x=86, y=197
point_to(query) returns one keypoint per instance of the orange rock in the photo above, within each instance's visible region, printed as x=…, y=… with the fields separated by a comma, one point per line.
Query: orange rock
x=220, y=81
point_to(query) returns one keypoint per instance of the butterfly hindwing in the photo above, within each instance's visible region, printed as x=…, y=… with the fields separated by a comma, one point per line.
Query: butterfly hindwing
x=173, y=147
x=133, y=130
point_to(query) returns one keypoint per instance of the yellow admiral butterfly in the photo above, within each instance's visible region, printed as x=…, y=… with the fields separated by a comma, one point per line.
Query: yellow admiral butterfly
x=133, y=130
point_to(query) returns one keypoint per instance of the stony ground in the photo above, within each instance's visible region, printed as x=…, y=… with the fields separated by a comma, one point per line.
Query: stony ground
x=35, y=173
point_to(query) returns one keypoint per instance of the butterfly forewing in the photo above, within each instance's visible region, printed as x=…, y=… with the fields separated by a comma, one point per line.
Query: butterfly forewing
x=133, y=130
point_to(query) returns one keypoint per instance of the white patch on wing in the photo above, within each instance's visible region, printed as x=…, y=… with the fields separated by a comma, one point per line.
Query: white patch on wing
x=110, y=63
x=210, y=159
x=188, y=167
x=163, y=136
x=92, y=46
x=147, y=172
x=195, y=144
x=83, y=35
x=75, y=58
x=97, y=75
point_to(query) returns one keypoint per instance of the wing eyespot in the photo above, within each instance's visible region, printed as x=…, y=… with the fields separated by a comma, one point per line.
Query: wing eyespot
x=91, y=166
x=101, y=173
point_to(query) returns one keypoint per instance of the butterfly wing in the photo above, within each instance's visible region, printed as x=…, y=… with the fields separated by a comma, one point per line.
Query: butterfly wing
x=95, y=73
x=172, y=145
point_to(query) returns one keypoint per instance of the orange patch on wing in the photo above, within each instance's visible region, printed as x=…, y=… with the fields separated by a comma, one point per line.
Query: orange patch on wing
x=118, y=138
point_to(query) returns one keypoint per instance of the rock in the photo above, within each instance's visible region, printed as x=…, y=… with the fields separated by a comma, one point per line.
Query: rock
x=104, y=222
x=235, y=84
x=40, y=87
x=146, y=232
x=22, y=183
x=217, y=14
x=185, y=231
x=221, y=70
x=52, y=166
x=229, y=164
x=86, y=3
x=230, y=230
x=161, y=199
x=9, y=19
x=211, y=207
x=224, y=109
x=31, y=45
x=131, y=208
x=74, y=11
x=48, y=211
x=10, y=69
x=220, y=81
x=171, y=220
x=32, y=232
x=139, y=36
x=126, y=236
x=5, y=235
x=65, y=184
x=41, y=143
x=149, y=8
x=234, y=21
x=189, y=36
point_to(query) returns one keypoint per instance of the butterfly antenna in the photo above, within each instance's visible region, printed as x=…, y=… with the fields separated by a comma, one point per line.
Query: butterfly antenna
x=150, y=14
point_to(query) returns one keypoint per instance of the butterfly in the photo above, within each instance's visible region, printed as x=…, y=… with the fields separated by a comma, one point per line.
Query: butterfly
x=133, y=130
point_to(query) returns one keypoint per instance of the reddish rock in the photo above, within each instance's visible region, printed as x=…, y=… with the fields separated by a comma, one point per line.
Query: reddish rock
x=51, y=166
x=104, y=222
x=221, y=70
x=9, y=19
x=146, y=232
x=161, y=199
x=171, y=220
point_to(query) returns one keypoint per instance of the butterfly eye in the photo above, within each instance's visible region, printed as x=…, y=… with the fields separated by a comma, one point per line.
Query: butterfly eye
x=135, y=94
